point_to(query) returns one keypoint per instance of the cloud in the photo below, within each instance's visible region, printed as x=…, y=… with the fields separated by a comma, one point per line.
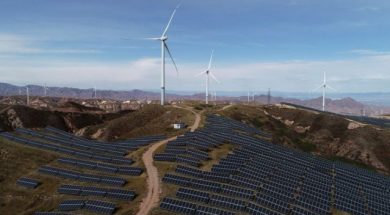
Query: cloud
x=15, y=44
x=368, y=52
x=366, y=73
x=367, y=9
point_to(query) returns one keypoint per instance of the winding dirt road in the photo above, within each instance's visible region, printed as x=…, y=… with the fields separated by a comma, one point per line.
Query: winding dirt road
x=152, y=198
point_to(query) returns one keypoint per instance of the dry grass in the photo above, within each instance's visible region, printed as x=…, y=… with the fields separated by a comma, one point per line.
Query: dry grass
x=18, y=161
x=149, y=120
x=216, y=155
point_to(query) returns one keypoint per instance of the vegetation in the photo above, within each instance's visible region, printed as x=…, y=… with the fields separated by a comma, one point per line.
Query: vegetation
x=306, y=146
x=149, y=120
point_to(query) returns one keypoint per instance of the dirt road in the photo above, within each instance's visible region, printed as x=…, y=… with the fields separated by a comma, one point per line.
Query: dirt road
x=152, y=198
x=227, y=106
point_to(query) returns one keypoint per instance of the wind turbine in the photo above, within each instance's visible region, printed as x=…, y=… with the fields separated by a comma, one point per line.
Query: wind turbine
x=164, y=47
x=324, y=85
x=94, y=92
x=27, y=96
x=208, y=73
x=45, y=90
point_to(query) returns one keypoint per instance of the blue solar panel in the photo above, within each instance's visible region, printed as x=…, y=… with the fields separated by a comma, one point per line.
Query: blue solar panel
x=28, y=182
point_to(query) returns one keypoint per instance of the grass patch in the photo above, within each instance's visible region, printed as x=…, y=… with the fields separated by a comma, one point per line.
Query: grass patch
x=306, y=146
x=216, y=155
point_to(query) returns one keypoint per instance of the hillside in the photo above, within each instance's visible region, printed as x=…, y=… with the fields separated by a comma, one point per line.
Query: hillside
x=17, y=116
x=329, y=136
x=149, y=120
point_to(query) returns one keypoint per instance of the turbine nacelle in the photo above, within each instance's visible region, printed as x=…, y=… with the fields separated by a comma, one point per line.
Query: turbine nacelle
x=163, y=38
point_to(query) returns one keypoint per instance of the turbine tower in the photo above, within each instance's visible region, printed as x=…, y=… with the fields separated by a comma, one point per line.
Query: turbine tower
x=164, y=47
x=208, y=73
x=324, y=85
x=45, y=90
x=27, y=96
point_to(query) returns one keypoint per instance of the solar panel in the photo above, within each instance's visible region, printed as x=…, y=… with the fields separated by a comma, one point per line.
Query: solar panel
x=194, y=195
x=28, y=182
x=115, y=181
x=175, y=179
x=100, y=207
x=203, y=210
x=71, y=205
x=70, y=189
x=120, y=194
x=178, y=206
x=226, y=202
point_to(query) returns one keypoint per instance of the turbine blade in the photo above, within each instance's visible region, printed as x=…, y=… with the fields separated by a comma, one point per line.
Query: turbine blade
x=170, y=20
x=317, y=88
x=152, y=38
x=328, y=86
x=201, y=73
x=170, y=55
x=211, y=59
x=212, y=76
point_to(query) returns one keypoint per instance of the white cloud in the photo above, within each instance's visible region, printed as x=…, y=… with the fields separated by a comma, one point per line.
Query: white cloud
x=366, y=73
x=15, y=44
x=368, y=52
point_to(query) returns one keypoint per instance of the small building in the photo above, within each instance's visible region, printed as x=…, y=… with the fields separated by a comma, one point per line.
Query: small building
x=179, y=125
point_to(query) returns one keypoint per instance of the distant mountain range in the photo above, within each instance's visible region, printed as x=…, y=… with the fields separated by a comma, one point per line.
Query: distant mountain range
x=344, y=105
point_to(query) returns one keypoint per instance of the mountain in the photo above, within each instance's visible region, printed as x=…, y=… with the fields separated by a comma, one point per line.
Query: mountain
x=346, y=105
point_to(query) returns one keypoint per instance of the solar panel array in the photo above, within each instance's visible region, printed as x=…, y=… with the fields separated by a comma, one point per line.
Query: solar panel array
x=259, y=177
x=28, y=182
x=94, y=206
x=63, y=173
x=97, y=191
x=102, y=167
x=90, y=161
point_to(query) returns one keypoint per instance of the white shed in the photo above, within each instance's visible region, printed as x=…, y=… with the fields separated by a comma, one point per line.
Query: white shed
x=179, y=125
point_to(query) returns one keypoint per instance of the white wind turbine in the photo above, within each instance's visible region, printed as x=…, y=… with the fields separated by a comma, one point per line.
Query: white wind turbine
x=45, y=88
x=324, y=85
x=208, y=73
x=27, y=96
x=164, y=47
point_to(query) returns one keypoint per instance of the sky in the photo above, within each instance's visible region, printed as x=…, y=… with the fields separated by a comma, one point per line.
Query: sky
x=285, y=45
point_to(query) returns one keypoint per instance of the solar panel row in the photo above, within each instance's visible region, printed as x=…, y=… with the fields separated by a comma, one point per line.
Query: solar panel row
x=28, y=182
x=97, y=191
x=90, y=205
x=134, y=171
x=115, y=181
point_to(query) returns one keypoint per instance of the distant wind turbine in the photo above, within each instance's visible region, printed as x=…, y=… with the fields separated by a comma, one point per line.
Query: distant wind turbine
x=45, y=90
x=324, y=85
x=208, y=73
x=164, y=47
x=27, y=96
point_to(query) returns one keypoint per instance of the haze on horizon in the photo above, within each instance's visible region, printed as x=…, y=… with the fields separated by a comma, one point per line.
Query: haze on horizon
x=284, y=45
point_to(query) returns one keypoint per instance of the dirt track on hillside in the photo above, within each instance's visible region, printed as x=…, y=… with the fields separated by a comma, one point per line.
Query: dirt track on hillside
x=153, y=182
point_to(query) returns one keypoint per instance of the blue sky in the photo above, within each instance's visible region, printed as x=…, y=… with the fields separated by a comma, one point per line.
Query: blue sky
x=285, y=45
